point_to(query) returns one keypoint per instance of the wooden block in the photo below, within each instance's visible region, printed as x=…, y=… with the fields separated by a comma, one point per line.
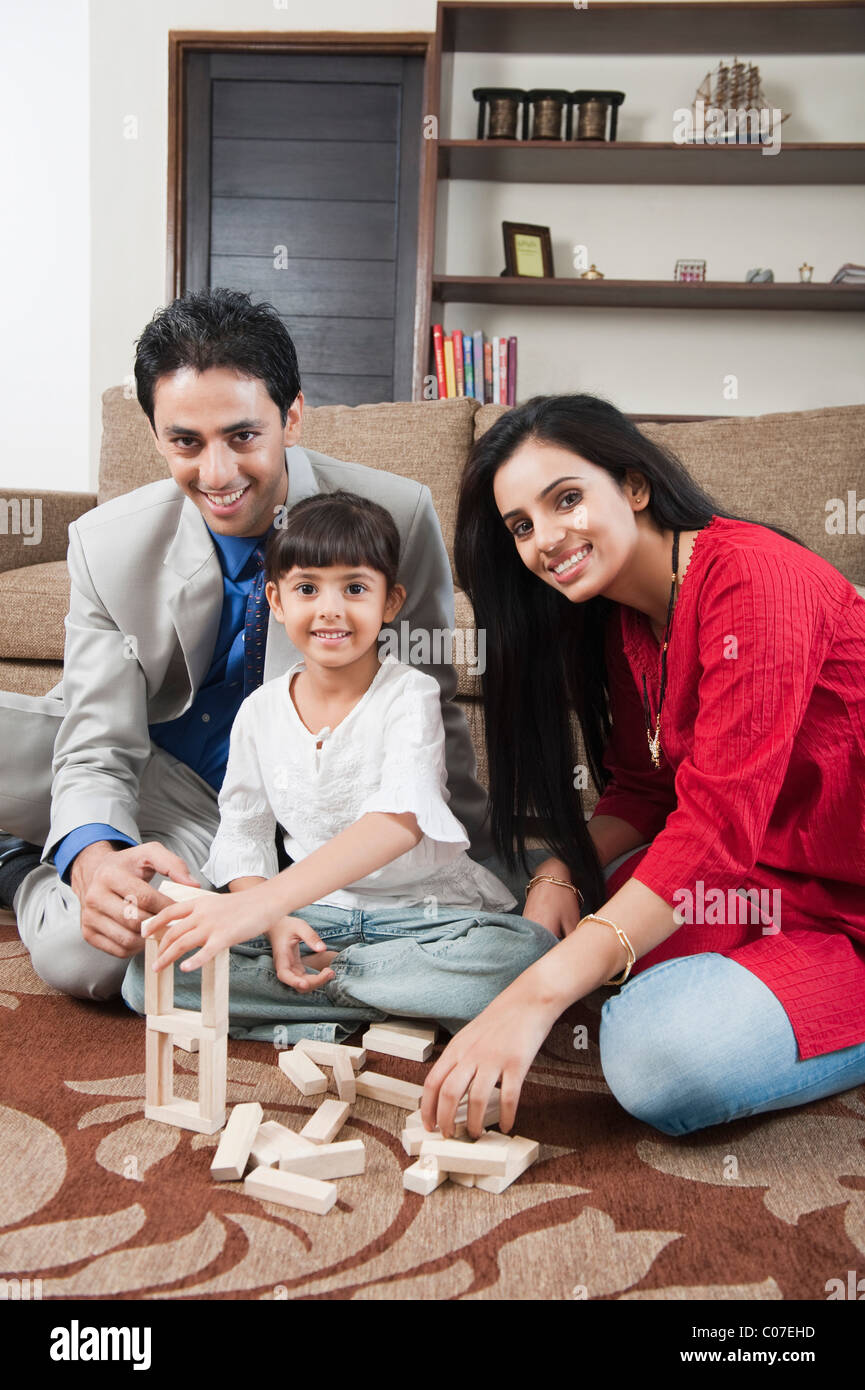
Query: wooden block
x=189, y=1020
x=397, y=1045
x=463, y=1179
x=411, y=1027
x=302, y=1071
x=184, y=1113
x=275, y=1141
x=182, y=892
x=522, y=1153
x=214, y=991
x=324, y=1052
x=213, y=1078
x=343, y=1075
x=158, y=988
x=328, y=1120
x=159, y=1068
x=423, y=1177
x=340, y=1160
x=413, y=1137
x=487, y=1155
x=231, y=1157
x=377, y=1086
x=183, y=1041
x=290, y=1190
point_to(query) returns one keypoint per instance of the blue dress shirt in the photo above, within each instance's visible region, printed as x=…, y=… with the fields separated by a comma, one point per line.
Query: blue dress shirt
x=199, y=737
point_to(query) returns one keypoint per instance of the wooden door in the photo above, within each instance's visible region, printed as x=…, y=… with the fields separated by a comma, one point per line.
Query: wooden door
x=301, y=187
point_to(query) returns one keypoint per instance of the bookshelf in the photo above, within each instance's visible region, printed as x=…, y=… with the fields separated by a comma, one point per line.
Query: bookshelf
x=629, y=27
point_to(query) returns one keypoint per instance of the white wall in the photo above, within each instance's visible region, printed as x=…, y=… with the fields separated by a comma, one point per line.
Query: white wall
x=44, y=244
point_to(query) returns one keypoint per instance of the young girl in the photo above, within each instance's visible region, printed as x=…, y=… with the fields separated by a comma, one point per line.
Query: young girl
x=730, y=661
x=345, y=754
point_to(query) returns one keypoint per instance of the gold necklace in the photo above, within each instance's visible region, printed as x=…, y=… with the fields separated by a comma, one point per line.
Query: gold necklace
x=655, y=739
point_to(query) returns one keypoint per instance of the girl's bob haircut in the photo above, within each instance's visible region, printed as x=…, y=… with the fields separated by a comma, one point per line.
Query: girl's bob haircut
x=334, y=528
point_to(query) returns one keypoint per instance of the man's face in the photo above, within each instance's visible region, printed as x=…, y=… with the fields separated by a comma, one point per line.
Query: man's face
x=222, y=437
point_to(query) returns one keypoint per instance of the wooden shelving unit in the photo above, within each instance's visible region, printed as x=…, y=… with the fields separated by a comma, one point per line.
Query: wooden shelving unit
x=600, y=161
x=631, y=27
x=644, y=294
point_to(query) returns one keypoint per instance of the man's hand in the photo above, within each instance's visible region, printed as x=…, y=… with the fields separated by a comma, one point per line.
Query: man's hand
x=113, y=888
x=552, y=906
x=290, y=965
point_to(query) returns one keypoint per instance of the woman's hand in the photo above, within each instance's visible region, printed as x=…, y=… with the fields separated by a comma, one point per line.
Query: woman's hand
x=213, y=923
x=500, y=1043
x=554, y=907
x=290, y=965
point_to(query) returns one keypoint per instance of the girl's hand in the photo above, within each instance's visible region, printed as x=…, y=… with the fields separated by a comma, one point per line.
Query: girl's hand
x=554, y=907
x=500, y=1043
x=213, y=924
x=290, y=965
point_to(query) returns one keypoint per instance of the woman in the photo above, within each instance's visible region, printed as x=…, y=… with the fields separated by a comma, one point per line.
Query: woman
x=731, y=661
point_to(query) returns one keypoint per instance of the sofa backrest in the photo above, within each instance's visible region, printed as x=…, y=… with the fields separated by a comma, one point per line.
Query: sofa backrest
x=785, y=469
x=793, y=470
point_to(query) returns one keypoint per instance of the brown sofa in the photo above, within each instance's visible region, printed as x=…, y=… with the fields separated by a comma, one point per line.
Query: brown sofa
x=782, y=469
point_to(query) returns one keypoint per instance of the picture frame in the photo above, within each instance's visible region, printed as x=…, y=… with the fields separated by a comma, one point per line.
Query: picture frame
x=528, y=250
x=694, y=270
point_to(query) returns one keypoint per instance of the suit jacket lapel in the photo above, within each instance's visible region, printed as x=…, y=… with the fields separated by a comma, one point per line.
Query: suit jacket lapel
x=195, y=600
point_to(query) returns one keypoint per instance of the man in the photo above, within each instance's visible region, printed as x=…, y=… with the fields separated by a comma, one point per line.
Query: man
x=168, y=629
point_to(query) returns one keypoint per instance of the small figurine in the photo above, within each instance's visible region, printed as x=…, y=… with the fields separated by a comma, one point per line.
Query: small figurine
x=592, y=273
x=805, y=273
x=761, y=277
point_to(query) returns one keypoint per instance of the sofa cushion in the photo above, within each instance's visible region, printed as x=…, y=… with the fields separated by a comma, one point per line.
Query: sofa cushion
x=33, y=603
x=783, y=469
x=425, y=440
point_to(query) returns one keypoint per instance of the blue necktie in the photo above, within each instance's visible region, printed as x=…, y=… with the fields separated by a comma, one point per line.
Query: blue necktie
x=255, y=629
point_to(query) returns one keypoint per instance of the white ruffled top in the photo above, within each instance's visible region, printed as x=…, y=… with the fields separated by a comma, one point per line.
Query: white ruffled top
x=387, y=754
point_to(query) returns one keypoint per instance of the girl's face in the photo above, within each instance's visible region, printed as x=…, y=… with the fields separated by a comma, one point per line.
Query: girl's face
x=571, y=524
x=333, y=615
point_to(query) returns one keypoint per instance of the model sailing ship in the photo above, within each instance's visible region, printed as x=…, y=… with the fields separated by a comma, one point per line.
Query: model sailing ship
x=735, y=90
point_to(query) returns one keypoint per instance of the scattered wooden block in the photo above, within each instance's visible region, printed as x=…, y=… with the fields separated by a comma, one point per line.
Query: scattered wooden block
x=397, y=1045
x=328, y=1120
x=341, y=1160
x=486, y=1155
x=324, y=1052
x=343, y=1075
x=463, y=1179
x=302, y=1071
x=521, y=1154
x=290, y=1190
x=231, y=1157
x=491, y=1115
x=411, y=1027
x=389, y=1089
x=423, y=1177
x=413, y=1136
x=275, y=1141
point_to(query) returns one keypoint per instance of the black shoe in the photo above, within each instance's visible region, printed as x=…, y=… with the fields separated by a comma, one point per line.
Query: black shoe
x=17, y=858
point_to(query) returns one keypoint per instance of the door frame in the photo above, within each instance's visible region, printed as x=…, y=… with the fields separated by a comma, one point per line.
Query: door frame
x=183, y=42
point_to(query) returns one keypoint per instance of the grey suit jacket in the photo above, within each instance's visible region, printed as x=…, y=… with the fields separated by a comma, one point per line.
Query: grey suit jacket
x=145, y=606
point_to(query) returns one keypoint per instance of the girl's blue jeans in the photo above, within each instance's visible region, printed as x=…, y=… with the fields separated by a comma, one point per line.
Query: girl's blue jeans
x=691, y=1042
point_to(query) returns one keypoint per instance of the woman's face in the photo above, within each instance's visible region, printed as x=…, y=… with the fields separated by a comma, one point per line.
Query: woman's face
x=572, y=525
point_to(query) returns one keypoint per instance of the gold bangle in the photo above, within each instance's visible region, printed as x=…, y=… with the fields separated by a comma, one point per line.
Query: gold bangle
x=620, y=979
x=548, y=878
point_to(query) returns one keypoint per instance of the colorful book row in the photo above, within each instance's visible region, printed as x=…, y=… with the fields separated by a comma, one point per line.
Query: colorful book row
x=468, y=364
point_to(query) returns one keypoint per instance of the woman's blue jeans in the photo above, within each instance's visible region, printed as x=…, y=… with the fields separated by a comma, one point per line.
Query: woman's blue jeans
x=699, y=1040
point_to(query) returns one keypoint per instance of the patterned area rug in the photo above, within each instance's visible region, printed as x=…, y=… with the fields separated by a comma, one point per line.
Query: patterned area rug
x=97, y=1202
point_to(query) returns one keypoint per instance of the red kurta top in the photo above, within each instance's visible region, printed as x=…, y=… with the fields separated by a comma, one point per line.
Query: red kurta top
x=762, y=776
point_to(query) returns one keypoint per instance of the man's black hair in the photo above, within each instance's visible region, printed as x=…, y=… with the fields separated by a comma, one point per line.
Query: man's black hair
x=218, y=328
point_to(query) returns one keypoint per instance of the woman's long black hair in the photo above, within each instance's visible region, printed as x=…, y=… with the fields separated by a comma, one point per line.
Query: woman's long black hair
x=545, y=655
